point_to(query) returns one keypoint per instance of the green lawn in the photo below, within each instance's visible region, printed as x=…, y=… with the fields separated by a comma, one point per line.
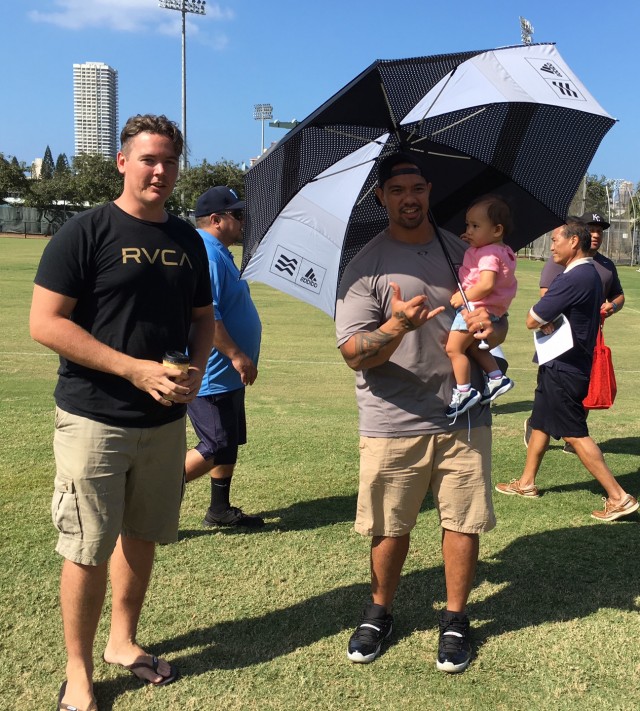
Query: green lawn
x=261, y=620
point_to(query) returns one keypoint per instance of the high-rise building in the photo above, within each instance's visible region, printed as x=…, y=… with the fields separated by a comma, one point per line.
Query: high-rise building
x=95, y=109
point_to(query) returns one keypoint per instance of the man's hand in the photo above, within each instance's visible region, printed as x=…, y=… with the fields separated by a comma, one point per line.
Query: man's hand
x=480, y=325
x=412, y=314
x=165, y=385
x=547, y=328
x=373, y=348
x=245, y=367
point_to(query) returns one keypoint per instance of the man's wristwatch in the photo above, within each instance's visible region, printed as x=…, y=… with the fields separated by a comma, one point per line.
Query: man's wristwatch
x=614, y=306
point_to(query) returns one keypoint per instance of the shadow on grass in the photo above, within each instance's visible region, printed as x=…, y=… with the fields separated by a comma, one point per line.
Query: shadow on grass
x=630, y=482
x=620, y=445
x=547, y=577
x=510, y=408
x=301, y=516
x=558, y=576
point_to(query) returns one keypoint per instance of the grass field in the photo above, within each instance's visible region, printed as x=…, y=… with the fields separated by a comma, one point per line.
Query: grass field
x=261, y=620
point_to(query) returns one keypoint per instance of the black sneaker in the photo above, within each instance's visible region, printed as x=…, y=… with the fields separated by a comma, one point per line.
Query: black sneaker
x=454, y=648
x=375, y=626
x=233, y=516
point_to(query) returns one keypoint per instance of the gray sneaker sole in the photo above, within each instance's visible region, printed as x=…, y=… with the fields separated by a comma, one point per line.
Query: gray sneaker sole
x=500, y=391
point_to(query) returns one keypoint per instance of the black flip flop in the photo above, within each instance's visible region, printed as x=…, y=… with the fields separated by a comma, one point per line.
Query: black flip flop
x=68, y=707
x=173, y=671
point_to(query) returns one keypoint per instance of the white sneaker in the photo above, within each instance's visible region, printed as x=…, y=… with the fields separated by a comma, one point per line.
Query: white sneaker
x=462, y=401
x=495, y=388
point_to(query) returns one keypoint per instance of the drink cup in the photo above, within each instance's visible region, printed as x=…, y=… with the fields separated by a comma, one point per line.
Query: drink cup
x=176, y=359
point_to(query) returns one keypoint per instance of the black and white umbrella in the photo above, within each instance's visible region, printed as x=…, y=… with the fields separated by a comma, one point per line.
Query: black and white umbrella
x=514, y=121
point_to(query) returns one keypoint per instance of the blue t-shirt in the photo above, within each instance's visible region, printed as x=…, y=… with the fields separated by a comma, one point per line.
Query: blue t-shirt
x=576, y=293
x=233, y=306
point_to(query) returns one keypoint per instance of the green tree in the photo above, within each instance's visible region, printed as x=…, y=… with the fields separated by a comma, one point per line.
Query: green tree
x=13, y=181
x=596, y=198
x=45, y=195
x=195, y=180
x=97, y=179
x=48, y=166
x=62, y=165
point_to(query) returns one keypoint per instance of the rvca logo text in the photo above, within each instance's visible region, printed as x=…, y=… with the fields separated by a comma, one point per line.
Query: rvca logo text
x=168, y=257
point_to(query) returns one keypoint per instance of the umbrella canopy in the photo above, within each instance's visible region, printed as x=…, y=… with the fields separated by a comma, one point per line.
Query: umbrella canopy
x=514, y=121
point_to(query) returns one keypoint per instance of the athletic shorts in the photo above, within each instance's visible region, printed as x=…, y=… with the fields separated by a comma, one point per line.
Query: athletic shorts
x=557, y=403
x=397, y=472
x=115, y=480
x=220, y=424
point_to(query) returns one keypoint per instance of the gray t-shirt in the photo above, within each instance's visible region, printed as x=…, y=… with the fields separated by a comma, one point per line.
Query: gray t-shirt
x=408, y=395
x=606, y=269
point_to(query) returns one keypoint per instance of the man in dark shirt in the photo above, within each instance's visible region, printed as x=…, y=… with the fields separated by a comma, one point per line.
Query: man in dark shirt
x=117, y=287
x=563, y=381
x=612, y=288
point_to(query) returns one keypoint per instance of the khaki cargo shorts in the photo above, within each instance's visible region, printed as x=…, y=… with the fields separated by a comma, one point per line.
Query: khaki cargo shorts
x=396, y=473
x=115, y=480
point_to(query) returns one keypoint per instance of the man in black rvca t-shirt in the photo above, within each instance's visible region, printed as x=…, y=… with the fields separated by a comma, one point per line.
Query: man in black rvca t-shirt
x=117, y=287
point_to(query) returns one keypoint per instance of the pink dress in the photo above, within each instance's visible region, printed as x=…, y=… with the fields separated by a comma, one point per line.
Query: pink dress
x=498, y=258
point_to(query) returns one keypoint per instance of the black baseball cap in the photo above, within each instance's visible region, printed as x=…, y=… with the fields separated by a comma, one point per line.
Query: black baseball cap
x=387, y=167
x=593, y=218
x=219, y=199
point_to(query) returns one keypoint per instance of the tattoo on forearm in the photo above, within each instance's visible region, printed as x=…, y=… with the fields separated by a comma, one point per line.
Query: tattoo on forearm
x=370, y=344
x=404, y=320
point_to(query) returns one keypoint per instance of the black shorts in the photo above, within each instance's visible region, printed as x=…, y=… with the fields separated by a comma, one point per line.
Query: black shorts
x=557, y=404
x=220, y=424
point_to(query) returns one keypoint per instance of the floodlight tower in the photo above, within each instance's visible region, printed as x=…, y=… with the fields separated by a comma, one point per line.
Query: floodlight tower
x=262, y=112
x=526, y=30
x=634, y=221
x=197, y=8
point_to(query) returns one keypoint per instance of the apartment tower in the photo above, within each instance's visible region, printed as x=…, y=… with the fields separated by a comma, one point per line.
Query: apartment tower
x=95, y=109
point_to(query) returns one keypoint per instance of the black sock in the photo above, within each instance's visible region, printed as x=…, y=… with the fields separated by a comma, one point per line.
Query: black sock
x=220, y=494
x=377, y=611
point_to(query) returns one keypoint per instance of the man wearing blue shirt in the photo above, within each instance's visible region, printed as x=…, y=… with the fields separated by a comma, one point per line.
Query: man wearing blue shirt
x=218, y=414
x=563, y=382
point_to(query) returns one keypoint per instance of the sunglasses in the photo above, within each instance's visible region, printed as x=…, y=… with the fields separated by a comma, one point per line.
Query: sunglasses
x=236, y=214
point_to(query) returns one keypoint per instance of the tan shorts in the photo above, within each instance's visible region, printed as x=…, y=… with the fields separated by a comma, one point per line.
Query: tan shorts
x=112, y=481
x=396, y=473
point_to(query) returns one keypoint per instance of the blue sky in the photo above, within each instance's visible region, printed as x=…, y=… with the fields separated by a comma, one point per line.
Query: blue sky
x=294, y=55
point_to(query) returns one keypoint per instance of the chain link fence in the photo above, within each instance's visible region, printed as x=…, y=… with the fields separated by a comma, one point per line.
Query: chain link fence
x=17, y=219
x=620, y=241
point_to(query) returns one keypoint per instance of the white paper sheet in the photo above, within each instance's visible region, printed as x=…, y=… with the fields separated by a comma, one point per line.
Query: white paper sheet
x=555, y=344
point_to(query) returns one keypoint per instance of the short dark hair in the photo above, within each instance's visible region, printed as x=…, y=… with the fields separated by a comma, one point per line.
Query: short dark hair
x=578, y=227
x=149, y=123
x=497, y=211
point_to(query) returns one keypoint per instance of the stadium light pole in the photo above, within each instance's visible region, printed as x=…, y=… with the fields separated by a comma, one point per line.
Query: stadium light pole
x=262, y=112
x=633, y=219
x=526, y=30
x=197, y=8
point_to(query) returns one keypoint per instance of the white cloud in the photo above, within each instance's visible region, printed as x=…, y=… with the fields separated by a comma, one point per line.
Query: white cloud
x=122, y=15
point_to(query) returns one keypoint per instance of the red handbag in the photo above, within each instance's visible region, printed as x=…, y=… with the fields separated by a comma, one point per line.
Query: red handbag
x=602, y=383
